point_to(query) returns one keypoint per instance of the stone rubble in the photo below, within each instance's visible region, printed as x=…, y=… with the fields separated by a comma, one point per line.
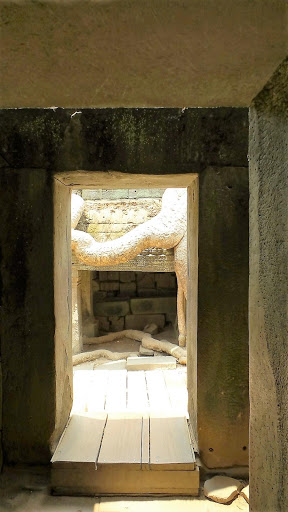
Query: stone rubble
x=222, y=489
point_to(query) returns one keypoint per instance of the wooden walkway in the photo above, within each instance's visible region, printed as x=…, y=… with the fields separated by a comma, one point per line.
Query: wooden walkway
x=127, y=434
x=134, y=391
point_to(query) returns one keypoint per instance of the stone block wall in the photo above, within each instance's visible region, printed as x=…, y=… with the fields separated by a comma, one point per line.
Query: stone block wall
x=109, y=214
x=131, y=300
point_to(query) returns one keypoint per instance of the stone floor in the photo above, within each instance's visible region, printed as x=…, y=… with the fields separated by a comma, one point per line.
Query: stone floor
x=23, y=490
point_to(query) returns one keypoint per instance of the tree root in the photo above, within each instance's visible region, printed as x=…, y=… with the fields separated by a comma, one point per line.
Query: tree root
x=147, y=341
x=86, y=357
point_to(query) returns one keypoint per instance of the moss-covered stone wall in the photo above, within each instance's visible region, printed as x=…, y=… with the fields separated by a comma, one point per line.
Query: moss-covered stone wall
x=211, y=142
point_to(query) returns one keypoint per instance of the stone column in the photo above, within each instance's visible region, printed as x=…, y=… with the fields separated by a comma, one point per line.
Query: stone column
x=268, y=296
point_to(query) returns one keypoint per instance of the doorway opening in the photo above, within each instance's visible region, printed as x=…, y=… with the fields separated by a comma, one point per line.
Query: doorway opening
x=139, y=393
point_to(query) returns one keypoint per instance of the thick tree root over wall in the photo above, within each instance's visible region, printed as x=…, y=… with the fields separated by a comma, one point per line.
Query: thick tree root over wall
x=146, y=339
x=166, y=230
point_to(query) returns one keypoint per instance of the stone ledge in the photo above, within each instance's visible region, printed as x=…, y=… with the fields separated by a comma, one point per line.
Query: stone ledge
x=153, y=305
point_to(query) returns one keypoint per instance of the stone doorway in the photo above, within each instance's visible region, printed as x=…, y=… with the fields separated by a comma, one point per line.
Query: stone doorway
x=83, y=290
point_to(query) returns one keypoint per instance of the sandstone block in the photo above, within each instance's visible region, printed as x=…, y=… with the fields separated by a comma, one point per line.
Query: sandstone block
x=145, y=280
x=126, y=277
x=128, y=288
x=170, y=318
x=147, y=292
x=116, y=323
x=166, y=292
x=151, y=329
x=145, y=351
x=111, y=308
x=95, y=285
x=103, y=275
x=143, y=193
x=97, y=296
x=91, y=195
x=109, y=286
x=153, y=305
x=165, y=280
x=104, y=324
x=113, y=365
x=138, y=322
x=113, y=276
x=90, y=328
x=150, y=363
x=119, y=193
x=222, y=489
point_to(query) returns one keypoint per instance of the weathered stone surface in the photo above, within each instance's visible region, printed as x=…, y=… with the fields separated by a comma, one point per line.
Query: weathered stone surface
x=109, y=286
x=147, y=292
x=147, y=363
x=98, y=296
x=104, y=324
x=139, y=321
x=166, y=292
x=126, y=277
x=95, y=285
x=0, y=403
x=145, y=351
x=113, y=276
x=151, y=328
x=165, y=280
x=91, y=194
x=268, y=286
x=116, y=323
x=111, y=308
x=90, y=328
x=128, y=288
x=35, y=329
x=112, y=365
x=223, y=412
x=145, y=280
x=51, y=139
x=245, y=493
x=170, y=317
x=115, y=194
x=222, y=489
x=141, y=193
x=153, y=305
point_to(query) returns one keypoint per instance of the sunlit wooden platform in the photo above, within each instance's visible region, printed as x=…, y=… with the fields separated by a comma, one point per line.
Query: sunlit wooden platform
x=128, y=434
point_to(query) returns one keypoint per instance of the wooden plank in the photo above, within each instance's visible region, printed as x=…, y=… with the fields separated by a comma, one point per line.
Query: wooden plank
x=150, y=363
x=108, y=480
x=170, y=446
x=116, y=391
x=81, y=382
x=95, y=393
x=145, y=445
x=157, y=391
x=137, y=398
x=177, y=389
x=81, y=440
x=122, y=440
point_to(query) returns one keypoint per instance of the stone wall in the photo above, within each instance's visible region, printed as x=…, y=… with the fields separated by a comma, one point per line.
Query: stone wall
x=155, y=142
x=109, y=214
x=130, y=300
x=268, y=295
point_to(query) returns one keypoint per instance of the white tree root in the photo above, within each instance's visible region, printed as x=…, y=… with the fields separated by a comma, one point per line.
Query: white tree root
x=86, y=357
x=147, y=341
x=181, y=269
x=181, y=307
x=165, y=230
